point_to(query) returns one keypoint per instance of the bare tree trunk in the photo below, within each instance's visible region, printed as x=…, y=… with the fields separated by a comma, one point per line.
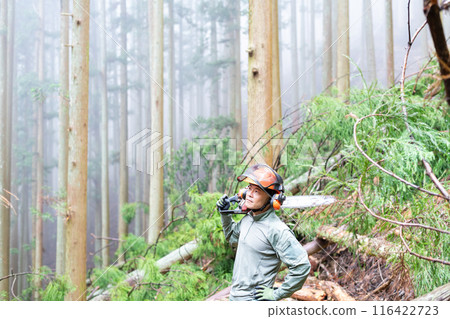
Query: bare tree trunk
x=370, y=47
x=76, y=224
x=40, y=155
x=138, y=123
x=389, y=44
x=63, y=136
x=312, y=43
x=156, y=196
x=431, y=10
x=235, y=73
x=180, y=80
x=11, y=180
x=294, y=59
x=327, y=76
x=216, y=73
x=4, y=211
x=343, y=51
x=304, y=82
x=334, y=36
x=123, y=176
x=171, y=72
x=237, y=76
x=276, y=87
x=104, y=142
x=260, y=74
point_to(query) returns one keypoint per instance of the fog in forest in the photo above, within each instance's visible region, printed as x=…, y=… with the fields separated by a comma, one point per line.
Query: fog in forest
x=203, y=57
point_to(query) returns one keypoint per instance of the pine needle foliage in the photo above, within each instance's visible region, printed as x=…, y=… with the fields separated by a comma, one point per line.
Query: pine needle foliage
x=387, y=140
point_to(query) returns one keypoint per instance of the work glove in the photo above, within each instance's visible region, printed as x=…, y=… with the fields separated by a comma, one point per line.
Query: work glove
x=262, y=293
x=223, y=203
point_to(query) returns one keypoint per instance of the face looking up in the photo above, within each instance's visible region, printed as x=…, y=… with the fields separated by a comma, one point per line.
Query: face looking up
x=255, y=197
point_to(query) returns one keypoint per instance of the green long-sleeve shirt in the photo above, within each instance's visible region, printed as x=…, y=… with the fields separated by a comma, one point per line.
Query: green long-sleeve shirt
x=264, y=241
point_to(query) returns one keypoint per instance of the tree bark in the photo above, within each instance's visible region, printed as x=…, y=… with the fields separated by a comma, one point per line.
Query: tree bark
x=39, y=154
x=180, y=125
x=369, y=41
x=377, y=247
x=235, y=75
x=327, y=76
x=389, y=43
x=156, y=196
x=431, y=10
x=276, y=87
x=260, y=75
x=343, y=51
x=63, y=136
x=215, y=109
x=4, y=211
x=294, y=59
x=11, y=180
x=104, y=141
x=123, y=175
x=312, y=43
x=76, y=225
x=441, y=293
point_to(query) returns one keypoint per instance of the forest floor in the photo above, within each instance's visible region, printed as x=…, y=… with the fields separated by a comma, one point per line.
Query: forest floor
x=362, y=277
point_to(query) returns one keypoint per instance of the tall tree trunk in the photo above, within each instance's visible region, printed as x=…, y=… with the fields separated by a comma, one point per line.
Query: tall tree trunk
x=294, y=59
x=304, y=83
x=260, y=75
x=4, y=211
x=156, y=196
x=343, y=50
x=76, y=225
x=123, y=176
x=171, y=73
x=180, y=79
x=369, y=41
x=327, y=48
x=237, y=75
x=171, y=84
x=389, y=44
x=40, y=155
x=216, y=72
x=334, y=36
x=276, y=87
x=312, y=43
x=11, y=180
x=104, y=141
x=138, y=123
x=63, y=136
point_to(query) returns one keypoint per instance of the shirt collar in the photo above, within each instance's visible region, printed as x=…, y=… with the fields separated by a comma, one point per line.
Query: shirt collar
x=263, y=215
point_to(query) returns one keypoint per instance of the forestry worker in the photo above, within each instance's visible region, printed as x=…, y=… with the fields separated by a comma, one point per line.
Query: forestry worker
x=263, y=240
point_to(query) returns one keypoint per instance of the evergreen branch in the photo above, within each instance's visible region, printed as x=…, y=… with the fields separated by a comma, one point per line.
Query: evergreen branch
x=428, y=169
x=358, y=121
x=418, y=255
x=361, y=199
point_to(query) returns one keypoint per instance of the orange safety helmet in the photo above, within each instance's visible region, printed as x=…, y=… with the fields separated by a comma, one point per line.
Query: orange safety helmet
x=263, y=176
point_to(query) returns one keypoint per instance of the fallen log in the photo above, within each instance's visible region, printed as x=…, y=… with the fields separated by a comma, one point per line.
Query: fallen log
x=377, y=247
x=306, y=293
x=332, y=289
x=179, y=255
x=441, y=293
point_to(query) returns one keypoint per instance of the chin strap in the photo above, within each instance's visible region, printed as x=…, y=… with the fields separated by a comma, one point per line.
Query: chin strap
x=261, y=208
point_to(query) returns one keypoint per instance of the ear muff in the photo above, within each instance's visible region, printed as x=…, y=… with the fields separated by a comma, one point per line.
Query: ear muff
x=242, y=193
x=277, y=200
